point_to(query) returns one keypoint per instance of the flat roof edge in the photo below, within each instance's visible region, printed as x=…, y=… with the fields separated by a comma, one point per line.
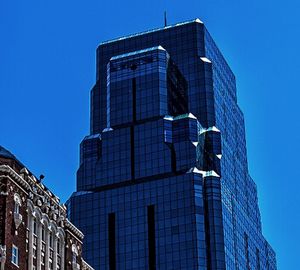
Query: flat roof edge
x=197, y=20
x=137, y=52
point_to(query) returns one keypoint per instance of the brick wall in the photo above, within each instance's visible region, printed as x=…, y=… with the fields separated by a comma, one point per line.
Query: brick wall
x=13, y=236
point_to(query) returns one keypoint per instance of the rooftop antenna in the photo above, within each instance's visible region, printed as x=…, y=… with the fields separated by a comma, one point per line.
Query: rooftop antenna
x=165, y=18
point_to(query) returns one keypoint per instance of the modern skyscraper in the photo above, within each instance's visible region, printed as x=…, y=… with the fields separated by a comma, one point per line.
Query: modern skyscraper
x=163, y=181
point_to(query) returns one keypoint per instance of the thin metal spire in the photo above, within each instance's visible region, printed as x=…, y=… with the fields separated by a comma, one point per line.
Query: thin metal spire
x=165, y=18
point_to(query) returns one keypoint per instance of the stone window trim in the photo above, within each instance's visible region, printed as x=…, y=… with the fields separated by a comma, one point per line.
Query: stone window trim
x=47, y=213
x=15, y=255
x=18, y=203
x=17, y=216
x=75, y=253
x=52, y=233
x=2, y=256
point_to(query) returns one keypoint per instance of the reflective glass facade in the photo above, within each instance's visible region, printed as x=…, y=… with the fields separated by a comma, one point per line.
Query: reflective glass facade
x=163, y=181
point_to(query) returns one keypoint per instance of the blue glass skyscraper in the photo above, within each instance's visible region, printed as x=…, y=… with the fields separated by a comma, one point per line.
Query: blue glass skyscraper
x=163, y=181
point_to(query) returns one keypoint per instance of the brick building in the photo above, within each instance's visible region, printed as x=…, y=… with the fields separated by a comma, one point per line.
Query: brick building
x=34, y=231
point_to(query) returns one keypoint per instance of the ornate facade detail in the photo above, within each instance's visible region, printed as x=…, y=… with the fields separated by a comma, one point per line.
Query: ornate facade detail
x=2, y=256
x=17, y=216
x=76, y=231
x=3, y=189
x=75, y=265
x=86, y=266
x=44, y=237
x=18, y=220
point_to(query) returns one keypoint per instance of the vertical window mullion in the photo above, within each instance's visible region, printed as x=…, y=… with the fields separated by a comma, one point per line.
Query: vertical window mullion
x=151, y=237
x=112, y=240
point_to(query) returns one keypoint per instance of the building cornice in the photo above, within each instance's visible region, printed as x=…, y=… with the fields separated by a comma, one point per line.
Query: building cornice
x=69, y=225
x=16, y=177
x=38, y=193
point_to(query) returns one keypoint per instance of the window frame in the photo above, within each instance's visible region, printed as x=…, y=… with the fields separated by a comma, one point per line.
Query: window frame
x=15, y=255
x=17, y=208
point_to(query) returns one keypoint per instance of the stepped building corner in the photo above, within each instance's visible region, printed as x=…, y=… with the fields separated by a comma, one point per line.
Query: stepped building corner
x=163, y=181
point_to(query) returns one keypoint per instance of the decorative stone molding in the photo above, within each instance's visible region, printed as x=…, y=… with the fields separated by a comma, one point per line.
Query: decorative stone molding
x=17, y=199
x=75, y=266
x=38, y=193
x=17, y=219
x=46, y=216
x=2, y=256
x=73, y=229
x=10, y=172
x=24, y=171
x=75, y=253
x=17, y=216
x=86, y=266
x=3, y=190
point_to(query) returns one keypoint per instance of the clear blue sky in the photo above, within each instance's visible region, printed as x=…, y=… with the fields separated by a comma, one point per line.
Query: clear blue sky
x=47, y=68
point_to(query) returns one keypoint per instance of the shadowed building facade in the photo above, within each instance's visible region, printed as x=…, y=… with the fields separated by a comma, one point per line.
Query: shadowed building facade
x=163, y=181
x=34, y=231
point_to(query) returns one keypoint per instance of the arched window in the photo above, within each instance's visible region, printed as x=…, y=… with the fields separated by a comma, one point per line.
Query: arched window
x=58, y=246
x=43, y=233
x=18, y=203
x=51, y=239
x=17, y=208
x=34, y=227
